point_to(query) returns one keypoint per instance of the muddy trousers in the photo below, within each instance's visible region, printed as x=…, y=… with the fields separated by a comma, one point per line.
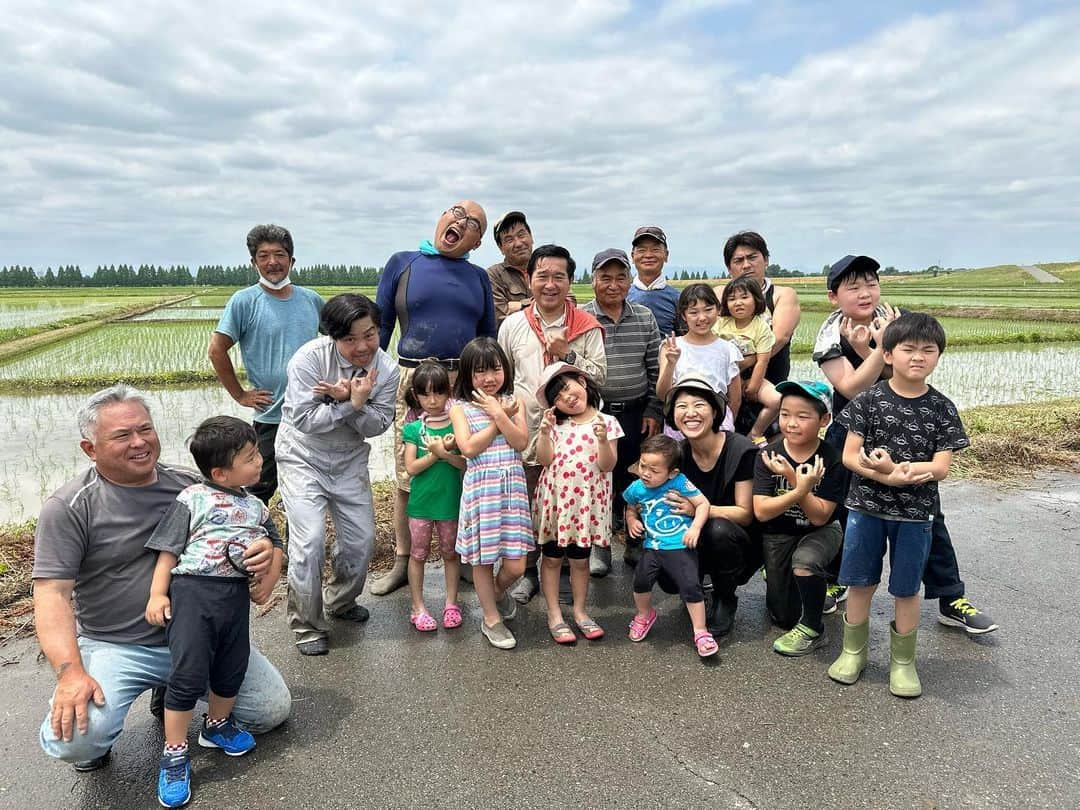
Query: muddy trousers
x=314, y=482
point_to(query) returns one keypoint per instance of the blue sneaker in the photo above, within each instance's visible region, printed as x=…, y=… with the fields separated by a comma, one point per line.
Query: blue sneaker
x=174, y=781
x=228, y=737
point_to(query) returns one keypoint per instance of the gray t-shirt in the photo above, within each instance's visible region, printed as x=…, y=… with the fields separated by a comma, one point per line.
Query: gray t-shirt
x=95, y=532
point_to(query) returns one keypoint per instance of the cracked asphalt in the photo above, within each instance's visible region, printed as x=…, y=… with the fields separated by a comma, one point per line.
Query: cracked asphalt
x=392, y=718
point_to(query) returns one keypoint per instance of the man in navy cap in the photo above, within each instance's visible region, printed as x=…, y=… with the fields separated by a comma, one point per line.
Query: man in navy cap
x=650, y=287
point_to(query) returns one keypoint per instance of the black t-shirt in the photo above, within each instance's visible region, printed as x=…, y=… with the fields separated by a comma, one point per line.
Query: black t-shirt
x=779, y=368
x=911, y=429
x=735, y=463
x=830, y=488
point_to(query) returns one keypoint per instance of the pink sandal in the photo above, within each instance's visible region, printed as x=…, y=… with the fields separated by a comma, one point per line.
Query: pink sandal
x=639, y=628
x=423, y=622
x=451, y=616
x=706, y=644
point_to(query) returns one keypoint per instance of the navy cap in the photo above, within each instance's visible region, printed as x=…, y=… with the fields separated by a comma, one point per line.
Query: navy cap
x=847, y=265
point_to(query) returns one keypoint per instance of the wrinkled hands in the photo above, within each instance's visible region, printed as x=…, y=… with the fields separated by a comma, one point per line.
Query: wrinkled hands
x=74, y=689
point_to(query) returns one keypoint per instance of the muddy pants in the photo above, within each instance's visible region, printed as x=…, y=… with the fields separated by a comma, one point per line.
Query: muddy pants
x=314, y=479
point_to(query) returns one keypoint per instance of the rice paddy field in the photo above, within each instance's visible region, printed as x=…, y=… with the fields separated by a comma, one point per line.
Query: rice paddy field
x=1010, y=341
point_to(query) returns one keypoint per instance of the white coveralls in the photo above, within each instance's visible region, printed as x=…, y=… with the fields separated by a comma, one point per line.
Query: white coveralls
x=322, y=457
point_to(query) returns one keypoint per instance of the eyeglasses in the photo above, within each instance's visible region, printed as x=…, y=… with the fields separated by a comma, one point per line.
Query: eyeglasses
x=472, y=223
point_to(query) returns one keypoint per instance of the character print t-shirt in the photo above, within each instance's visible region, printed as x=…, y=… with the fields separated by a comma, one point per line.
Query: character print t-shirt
x=664, y=527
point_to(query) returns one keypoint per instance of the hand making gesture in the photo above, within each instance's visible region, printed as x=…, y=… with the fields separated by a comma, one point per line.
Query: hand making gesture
x=361, y=387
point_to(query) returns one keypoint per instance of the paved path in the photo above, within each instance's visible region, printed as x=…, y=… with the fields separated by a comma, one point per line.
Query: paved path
x=394, y=719
x=1039, y=274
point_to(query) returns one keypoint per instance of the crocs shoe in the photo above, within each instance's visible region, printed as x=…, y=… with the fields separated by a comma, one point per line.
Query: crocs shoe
x=451, y=617
x=424, y=622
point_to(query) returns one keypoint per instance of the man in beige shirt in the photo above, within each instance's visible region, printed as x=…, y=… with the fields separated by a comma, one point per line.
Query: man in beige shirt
x=552, y=328
x=510, y=277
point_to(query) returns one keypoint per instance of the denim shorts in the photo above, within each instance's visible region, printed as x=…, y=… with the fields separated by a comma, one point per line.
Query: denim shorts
x=864, y=548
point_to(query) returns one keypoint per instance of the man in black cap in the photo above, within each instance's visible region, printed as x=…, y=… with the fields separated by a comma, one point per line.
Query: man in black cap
x=650, y=287
x=632, y=345
x=510, y=277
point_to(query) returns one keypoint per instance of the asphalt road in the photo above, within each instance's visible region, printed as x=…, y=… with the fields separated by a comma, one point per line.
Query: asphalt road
x=396, y=719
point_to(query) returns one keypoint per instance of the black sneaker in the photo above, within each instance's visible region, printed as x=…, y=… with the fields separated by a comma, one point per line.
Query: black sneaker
x=97, y=763
x=157, y=702
x=721, y=618
x=961, y=613
x=834, y=595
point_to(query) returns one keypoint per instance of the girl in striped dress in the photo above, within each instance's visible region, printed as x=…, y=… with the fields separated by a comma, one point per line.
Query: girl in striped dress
x=494, y=523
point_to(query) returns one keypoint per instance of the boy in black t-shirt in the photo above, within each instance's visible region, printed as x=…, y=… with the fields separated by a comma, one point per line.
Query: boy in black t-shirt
x=798, y=480
x=901, y=437
x=848, y=350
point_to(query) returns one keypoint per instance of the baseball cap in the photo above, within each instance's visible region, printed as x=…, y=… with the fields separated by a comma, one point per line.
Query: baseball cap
x=813, y=390
x=610, y=255
x=850, y=264
x=652, y=231
x=509, y=218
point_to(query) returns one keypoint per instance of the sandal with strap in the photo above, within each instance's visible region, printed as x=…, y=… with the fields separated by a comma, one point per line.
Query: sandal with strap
x=591, y=630
x=423, y=622
x=639, y=628
x=706, y=644
x=562, y=633
x=451, y=616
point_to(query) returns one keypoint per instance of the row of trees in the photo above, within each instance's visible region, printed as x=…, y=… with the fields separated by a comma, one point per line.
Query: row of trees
x=148, y=275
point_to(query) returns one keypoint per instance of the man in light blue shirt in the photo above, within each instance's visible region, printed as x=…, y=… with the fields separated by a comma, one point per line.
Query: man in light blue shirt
x=270, y=320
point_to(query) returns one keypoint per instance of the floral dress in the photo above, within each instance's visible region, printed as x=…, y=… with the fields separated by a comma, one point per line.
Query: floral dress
x=573, y=497
x=494, y=520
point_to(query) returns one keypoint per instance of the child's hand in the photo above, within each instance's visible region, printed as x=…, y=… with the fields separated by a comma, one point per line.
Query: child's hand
x=877, y=326
x=670, y=349
x=510, y=406
x=449, y=443
x=778, y=465
x=903, y=475
x=634, y=527
x=808, y=475
x=690, y=538
x=547, y=422
x=488, y=404
x=436, y=446
x=158, y=610
x=877, y=459
x=599, y=429
x=260, y=589
x=361, y=387
x=339, y=391
x=750, y=389
x=857, y=334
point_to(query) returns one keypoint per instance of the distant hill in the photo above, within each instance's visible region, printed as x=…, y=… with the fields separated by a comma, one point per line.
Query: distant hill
x=1004, y=275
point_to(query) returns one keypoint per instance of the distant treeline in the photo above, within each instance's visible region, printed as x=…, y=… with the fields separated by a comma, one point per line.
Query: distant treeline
x=148, y=275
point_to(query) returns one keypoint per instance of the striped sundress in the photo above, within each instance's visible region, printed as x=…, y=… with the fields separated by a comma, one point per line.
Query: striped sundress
x=494, y=520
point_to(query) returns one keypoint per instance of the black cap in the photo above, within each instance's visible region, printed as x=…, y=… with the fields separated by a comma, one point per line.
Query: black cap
x=610, y=255
x=849, y=265
x=650, y=231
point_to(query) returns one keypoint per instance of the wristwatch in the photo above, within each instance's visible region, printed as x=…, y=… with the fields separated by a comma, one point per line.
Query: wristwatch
x=570, y=357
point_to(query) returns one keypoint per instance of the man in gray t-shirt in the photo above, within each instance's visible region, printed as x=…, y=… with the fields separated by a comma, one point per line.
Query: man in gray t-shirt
x=90, y=545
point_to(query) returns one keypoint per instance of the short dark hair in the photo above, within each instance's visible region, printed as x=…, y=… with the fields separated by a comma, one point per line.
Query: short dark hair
x=557, y=383
x=430, y=377
x=216, y=441
x=481, y=354
x=913, y=327
x=748, y=284
x=272, y=234
x=340, y=312
x=552, y=252
x=663, y=446
x=750, y=239
x=505, y=224
x=693, y=293
x=717, y=401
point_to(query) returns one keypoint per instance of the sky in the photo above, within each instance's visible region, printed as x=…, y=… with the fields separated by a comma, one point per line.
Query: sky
x=918, y=133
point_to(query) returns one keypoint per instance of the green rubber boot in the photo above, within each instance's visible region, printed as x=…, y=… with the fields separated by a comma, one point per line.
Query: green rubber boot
x=903, y=679
x=852, y=661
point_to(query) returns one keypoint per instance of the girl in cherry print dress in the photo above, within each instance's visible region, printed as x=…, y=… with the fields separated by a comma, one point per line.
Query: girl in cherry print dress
x=572, y=508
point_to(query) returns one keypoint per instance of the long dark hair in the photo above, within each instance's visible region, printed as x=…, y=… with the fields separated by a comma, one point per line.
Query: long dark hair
x=430, y=377
x=556, y=385
x=482, y=354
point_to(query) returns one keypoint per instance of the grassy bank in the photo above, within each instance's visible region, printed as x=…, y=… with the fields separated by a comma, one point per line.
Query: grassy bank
x=1008, y=444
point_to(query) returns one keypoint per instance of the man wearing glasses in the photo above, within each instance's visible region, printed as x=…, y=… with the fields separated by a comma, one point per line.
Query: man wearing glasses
x=440, y=301
x=548, y=330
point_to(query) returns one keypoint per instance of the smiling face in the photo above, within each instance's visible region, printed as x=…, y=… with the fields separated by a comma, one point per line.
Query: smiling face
x=245, y=470
x=653, y=470
x=693, y=414
x=572, y=398
x=800, y=420
x=857, y=297
x=700, y=316
x=460, y=229
x=272, y=261
x=516, y=244
x=359, y=346
x=125, y=446
x=649, y=256
x=611, y=283
x=550, y=283
x=913, y=360
x=489, y=380
x=748, y=261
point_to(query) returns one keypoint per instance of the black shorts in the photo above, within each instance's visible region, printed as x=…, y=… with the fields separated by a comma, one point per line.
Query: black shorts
x=681, y=565
x=570, y=552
